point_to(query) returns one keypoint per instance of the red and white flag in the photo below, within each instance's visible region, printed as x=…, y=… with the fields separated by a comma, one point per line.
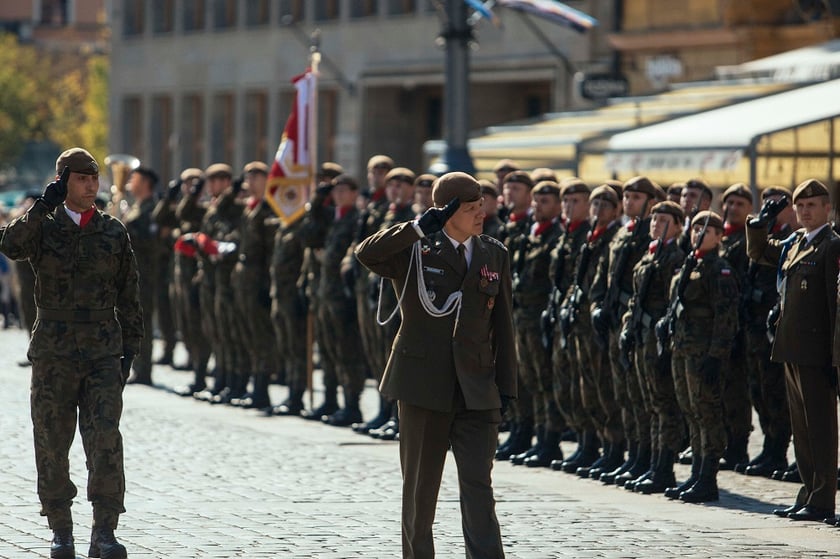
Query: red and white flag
x=290, y=180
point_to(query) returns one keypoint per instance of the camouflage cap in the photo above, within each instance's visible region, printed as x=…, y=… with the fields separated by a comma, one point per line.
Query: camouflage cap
x=425, y=180
x=455, y=185
x=218, y=170
x=519, y=176
x=191, y=173
x=488, y=188
x=671, y=208
x=604, y=192
x=809, y=189
x=330, y=169
x=380, y=161
x=78, y=160
x=776, y=191
x=402, y=174
x=644, y=185
x=714, y=219
x=546, y=187
x=346, y=179
x=543, y=174
x=507, y=165
x=574, y=185
x=256, y=167
x=737, y=189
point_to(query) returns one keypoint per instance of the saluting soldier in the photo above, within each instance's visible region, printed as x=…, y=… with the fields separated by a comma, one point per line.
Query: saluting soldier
x=806, y=341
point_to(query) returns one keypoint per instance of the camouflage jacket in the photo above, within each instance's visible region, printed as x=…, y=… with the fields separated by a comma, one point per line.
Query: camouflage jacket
x=598, y=241
x=368, y=222
x=143, y=232
x=564, y=258
x=651, y=306
x=78, y=270
x=532, y=283
x=287, y=262
x=256, y=244
x=221, y=223
x=338, y=237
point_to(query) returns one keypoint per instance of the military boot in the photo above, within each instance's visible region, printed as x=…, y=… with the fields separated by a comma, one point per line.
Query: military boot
x=775, y=458
x=686, y=457
x=639, y=466
x=612, y=460
x=522, y=441
x=292, y=405
x=348, y=415
x=329, y=407
x=735, y=453
x=632, y=451
x=220, y=379
x=674, y=492
x=762, y=456
x=503, y=450
x=258, y=397
x=586, y=471
x=385, y=407
x=654, y=460
x=519, y=459
x=548, y=452
x=706, y=488
x=557, y=465
x=589, y=446
x=663, y=475
x=62, y=544
x=104, y=545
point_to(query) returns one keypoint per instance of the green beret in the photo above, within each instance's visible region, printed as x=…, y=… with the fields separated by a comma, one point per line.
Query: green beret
x=519, y=176
x=425, y=180
x=401, y=174
x=809, y=189
x=488, y=187
x=543, y=174
x=191, y=173
x=455, y=185
x=776, y=191
x=604, y=192
x=714, y=219
x=256, y=167
x=218, y=170
x=380, y=161
x=546, y=187
x=346, y=179
x=644, y=185
x=737, y=189
x=330, y=170
x=78, y=160
x=574, y=185
x=671, y=208
x=506, y=165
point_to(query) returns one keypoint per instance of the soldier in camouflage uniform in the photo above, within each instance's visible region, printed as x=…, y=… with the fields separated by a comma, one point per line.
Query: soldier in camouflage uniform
x=167, y=222
x=611, y=290
x=704, y=327
x=492, y=224
x=143, y=232
x=89, y=318
x=651, y=294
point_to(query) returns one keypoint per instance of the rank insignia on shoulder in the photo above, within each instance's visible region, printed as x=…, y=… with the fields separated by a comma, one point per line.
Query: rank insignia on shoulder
x=493, y=241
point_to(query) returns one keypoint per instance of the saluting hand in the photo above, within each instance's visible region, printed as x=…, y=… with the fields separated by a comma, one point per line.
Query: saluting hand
x=434, y=219
x=174, y=189
x=55, y=192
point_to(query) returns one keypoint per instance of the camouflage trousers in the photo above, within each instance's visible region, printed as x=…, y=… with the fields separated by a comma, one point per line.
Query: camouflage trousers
x=635, y=417
x=767, y=386
x=231, y=337
x=60, y=387
x=164, y=304
x=700, y=403
x=369, y=329
x=342, y=343
x=566, y=384
x=209, y=326
x=596, y=384
x=143, y=360
x=289, y=315
x=187, y=307
x=253, y=316
x=737, y=411
x=666, y=425
x=535, y=370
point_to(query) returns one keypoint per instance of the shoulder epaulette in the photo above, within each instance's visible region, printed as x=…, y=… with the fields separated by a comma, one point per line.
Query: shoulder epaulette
x=493, y=241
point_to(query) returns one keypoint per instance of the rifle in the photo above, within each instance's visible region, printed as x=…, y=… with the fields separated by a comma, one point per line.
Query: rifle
x=612, y=297
x=548, y=318
x=571, y=308
x=644, y=285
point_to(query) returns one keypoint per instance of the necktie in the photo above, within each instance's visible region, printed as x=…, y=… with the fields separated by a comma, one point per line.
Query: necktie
x=462, y=259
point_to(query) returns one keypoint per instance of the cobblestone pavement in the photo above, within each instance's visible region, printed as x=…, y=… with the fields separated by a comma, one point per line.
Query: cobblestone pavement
x=212, y=481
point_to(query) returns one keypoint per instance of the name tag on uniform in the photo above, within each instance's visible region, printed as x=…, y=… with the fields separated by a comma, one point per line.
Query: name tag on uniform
x=431, y=270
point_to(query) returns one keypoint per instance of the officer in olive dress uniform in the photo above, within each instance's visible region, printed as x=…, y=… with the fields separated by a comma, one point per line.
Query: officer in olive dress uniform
x=453, y=362
x=807, y=342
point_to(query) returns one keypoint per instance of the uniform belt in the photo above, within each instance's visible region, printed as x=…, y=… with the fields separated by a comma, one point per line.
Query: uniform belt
x=77, y=315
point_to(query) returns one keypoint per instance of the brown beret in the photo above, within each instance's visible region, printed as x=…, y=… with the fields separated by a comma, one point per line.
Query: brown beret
x=644, y=185
x=776, y=191
x=604, y=192
x=617, y=186
x=218, y=170
x=191, y=173
x=809, y=189
x=574, y=185
x=700, y=184
x=346, y=179
x=506, y=165
x=79, y=160
x=330, y=170
x=546, y=187
x=256, y=167
x=519, y=176
x=426, y=179
x=543, y=174
x=380, y=161
x=455, y=185
x=671, y=208
x=714, y=219
x=737, y=189
x=401, y=174
x=676, y=188
x=488, y=187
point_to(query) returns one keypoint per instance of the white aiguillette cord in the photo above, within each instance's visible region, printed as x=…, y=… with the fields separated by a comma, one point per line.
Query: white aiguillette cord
x=453, y=302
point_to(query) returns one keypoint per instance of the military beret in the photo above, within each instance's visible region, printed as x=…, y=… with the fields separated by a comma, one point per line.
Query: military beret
x=330, y=169
x=381, y=161
x=191, y=173
x=488, y=188
x=78, y=160
x=400, y=174
x=617, y=186
x=426, y=179
x=455, y=185
x=218, y=170
x=346, y=179
x=604, y=192
x=676, y=188
x=256, y=167
x=737, y=189
x=714, y=219
x=700, y=184
x=574, y=185
x=519, y=176
x=776, y=191
x=546, y=187
x=644, y=185
x=809, y=189
x=506, y=165
x=543, y=174
x=661, y=195
x=671, y=208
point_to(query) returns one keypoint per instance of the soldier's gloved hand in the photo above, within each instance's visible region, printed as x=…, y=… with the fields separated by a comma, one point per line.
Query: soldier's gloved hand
x=55, y=192
x=434, y=219
x=174, y=189
x=506, y=400
x=626, y=341
x=236, y=185
x=125, y=364
x=197, y=185
x=324, y=189
x=709, y=370
x=768, y=213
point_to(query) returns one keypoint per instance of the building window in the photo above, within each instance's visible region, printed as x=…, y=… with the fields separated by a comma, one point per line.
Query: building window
x=363, y=8
x=161, y=136
x=192, y=131
x=194, y=12
x=256, y=126
x=257, y=12
x=221, y=132
x=54, y=12
x=400, y=7
x=134, y=18
x=132, y=136
x=224, y=14
x=326, y=10
x=291, y=11
x=163, y=16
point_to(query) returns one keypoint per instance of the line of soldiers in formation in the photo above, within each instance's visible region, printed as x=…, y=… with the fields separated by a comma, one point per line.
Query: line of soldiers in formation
x=642, y=326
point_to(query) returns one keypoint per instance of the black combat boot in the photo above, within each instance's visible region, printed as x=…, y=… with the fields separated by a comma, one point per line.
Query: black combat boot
x=686, y=457
x=612, y=460
x=762, y=456
x=522, y=441
x=519, y=459
x=348, y=415
x=663, y=475
x=104, y=545
x=557, y=465
x=503, y=450
x=220, y=378
x=633, y=450
x=293, y=405
x=735, y=453
x=654, y=460
x=639, y=466
x=775, y=458
x=258, y=398
x=674, y=492
x=62, y=544
x=385, y=407
x=586, y=471
x=706, y=489
x=548, y=452
x=589, y=446
x=329, y=407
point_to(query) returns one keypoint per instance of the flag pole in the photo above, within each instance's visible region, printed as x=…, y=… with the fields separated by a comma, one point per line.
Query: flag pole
x=312, y=141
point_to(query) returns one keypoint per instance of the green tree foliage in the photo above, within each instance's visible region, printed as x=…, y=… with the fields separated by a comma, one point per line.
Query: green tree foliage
x=20, y=118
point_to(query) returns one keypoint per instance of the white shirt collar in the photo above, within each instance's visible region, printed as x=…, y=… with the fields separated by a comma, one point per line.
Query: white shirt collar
x=468, y=246
x=76, y=217
x=810, y=236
